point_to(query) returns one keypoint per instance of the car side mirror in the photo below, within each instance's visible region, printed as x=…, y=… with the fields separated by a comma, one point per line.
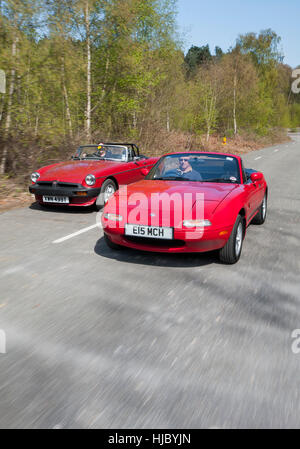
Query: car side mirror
x=256, y=177
x=145, y=171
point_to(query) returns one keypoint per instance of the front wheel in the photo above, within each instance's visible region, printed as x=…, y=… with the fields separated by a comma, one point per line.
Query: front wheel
x=111, y=244
x=107, y=190
x=231, y=252
x=261, y=215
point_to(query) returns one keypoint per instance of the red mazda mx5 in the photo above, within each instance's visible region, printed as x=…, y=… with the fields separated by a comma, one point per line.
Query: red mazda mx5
x=188, y=202
x=92, y=176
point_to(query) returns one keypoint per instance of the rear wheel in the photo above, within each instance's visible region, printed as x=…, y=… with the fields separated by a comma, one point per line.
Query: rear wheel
x=111, y=244
x=107, y=190
x=261, y=215
x=231, y=252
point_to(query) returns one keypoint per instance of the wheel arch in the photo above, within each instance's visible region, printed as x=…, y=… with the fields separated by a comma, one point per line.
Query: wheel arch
x=113, y=179
x=242, y=213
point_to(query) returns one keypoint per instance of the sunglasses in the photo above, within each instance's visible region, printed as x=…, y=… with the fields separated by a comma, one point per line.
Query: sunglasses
x=183, y=160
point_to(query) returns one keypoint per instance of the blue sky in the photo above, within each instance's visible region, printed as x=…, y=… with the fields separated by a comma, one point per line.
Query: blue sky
x=219, y=22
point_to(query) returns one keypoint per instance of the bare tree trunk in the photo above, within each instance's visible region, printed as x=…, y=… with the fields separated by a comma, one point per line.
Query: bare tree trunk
x=208, y=133
x=134, y=120
x=234, y=103
x=1, y=108
x=88, y=72
x=168, y=121
x=26, y=94
x=105, y=78
x=103, y=90
x=210, y=113
x=110, y=122
x=9, y=103
x=36, y=128
x=37, y=117
x=66, y=97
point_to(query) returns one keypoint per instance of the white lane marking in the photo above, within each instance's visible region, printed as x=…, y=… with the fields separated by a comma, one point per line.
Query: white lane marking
x=81, y=231
x=259, y=157
x=275, y=151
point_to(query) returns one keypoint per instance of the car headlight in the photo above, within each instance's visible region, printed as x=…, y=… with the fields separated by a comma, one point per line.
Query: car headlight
x=35, y=176
x=113, y=217
x=196, y=223
x=90, y=180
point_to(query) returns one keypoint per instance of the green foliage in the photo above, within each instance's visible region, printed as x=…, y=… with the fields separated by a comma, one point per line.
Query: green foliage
x=295, y=116
x=196, y=56
x=219, y=52
x=140, y=78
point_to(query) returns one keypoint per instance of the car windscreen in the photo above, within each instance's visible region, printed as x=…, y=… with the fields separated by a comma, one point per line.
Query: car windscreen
x=196, y=167
x=102, y=152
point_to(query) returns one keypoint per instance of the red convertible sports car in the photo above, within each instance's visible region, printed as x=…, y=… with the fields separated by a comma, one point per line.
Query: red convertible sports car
x=92, y=176
x=188, y=202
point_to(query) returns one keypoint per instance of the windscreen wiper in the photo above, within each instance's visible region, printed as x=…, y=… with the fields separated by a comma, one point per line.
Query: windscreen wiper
x=219, y=180
x=173, y=178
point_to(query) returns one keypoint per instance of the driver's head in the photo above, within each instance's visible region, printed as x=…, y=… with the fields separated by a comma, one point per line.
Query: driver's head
x=102, y=151
x=184, y=163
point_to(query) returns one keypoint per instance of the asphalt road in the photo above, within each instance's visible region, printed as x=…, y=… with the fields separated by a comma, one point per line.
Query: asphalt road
x=103, y=339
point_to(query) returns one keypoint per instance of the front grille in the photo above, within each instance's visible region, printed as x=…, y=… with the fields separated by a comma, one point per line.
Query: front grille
x=67, y=184
x=163, y=243
x=58, y=184
x=44, y=183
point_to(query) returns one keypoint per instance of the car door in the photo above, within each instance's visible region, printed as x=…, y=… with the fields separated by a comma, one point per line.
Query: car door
x=129, y=171
x=250, y=195
x=250, y=200
x=135, y=165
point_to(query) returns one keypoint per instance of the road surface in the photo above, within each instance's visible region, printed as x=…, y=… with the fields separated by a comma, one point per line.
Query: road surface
x=104, y=339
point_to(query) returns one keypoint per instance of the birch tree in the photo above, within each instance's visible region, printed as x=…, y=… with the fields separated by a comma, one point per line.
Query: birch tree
x=17, y=17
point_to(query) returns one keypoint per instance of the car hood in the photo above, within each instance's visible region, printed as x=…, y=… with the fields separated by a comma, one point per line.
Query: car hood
x=211, y=191
x=140, y=200
x=74, y=170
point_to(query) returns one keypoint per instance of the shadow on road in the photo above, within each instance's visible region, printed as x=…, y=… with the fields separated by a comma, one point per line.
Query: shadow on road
x=62, y=209
x=158, y=259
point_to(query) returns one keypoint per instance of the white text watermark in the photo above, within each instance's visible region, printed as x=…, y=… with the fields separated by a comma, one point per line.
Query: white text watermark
x=296, y=343
x=2, y=342
x=296, y=83
x=158, y=210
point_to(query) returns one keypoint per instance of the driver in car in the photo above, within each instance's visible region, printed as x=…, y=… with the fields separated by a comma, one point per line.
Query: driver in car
x=185, y=169
x=101, y=151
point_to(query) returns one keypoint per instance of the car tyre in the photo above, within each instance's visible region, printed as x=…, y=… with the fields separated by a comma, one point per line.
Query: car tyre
x=108, y=188
x=231, y=252
x=111, y=244
x=261, y=215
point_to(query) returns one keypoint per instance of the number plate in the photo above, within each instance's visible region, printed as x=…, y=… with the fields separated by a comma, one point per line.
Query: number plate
x=153, y=232
x=56, y=199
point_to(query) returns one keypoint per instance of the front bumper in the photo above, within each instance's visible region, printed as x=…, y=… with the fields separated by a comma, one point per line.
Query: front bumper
x=77, y=194
x=184, y=241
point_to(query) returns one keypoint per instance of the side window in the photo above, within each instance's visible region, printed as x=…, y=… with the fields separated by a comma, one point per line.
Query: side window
x=243, y=173
x=130, y=154
x=134, y=155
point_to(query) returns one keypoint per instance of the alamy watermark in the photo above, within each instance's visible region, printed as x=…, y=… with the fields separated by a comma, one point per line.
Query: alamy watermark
x=159, y=209
x=296, y=83
x=2, y=342
x=296, y=343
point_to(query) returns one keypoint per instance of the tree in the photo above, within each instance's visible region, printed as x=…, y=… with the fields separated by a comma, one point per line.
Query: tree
x=262, y=47
x=195, y=57
x=218, y=52
x=18, y=17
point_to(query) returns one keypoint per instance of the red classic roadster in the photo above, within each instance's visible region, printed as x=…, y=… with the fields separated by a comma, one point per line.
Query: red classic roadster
x=188, y=202
x=92, y=176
